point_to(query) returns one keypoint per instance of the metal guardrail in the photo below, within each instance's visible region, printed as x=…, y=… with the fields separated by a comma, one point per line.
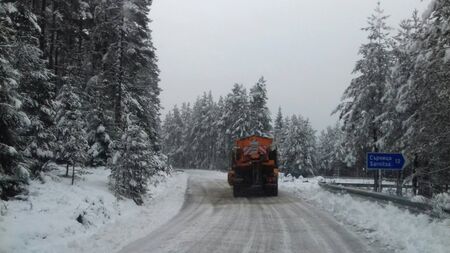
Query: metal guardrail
x=369, y=185
x=380, y=196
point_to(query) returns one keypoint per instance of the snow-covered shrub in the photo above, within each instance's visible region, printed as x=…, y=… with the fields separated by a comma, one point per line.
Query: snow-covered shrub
x=92, y=212
x=100, y=146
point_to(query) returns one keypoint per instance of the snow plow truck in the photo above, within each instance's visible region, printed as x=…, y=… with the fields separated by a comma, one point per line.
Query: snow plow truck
x=254, y=167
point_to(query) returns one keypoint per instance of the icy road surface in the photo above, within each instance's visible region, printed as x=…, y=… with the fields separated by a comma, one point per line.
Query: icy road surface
x=211, y=220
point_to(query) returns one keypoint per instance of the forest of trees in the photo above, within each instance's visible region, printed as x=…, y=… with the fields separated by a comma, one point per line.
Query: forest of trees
x=202, y=135
x=78, y=86
x=399, y=100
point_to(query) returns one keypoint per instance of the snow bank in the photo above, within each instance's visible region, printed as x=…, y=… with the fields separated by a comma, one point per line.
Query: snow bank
x=397, y=229
x=85, y=217
x=441, y=200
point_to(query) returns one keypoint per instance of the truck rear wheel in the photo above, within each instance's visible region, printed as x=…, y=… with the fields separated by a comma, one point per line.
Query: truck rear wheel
x=275, y=191
x=272, y=191
x=237, y=192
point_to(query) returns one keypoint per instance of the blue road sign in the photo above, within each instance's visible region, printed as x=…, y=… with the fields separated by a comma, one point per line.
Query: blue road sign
x=385, y=161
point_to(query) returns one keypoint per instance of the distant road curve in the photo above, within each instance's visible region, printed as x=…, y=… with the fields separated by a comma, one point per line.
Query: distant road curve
x=211, y=220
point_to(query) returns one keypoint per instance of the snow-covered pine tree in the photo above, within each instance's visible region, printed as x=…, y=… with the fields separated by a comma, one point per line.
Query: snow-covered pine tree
x=394, y=114
x=260, y=121
x=100, y=121
x=99, y=146
x=172, y=137
x=70, y=123
x=186, y=117
x=64, y=37
x=131, y=61
x=362, y=101
x=278, y=127
x=97, y=25
x=281, y=141
x=428, y=100
x=329, y=152
x=213, y=135
x=238, y=113
x=279, y=135
x=299, y=148
x=132, y=164
x=13, y=175
x=233, y=122
x=223, y=143
x=202, y=132
x=36, y=89
x=144, y=89
x=129, y=64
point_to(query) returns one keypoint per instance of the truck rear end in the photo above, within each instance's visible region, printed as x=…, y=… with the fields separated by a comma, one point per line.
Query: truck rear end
x=254, y=167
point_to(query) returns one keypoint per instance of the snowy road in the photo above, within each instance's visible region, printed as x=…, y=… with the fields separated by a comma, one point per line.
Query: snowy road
x=211, y=220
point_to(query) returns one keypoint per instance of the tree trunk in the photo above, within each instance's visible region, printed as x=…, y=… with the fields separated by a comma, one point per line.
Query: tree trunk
x=56, y=63
x=43, y=25
x=118, y=100
x=399, y=183
x=67, y=169
x=376, y=174
x=73, y=173
x=425, y=186
x=52, y=55
x=414, y=179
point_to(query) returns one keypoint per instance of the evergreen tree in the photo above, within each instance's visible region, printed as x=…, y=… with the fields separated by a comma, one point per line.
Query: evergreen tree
x=330, y=152
x=223, y=142
x=35, y=87
x=202, y=134
x=131, y=61
x=100, y=123
x=362, y=101
x=394, y=114
x=186, y=116
x=238, y=114
x=299, y=148
x=278, y=127
x=426, y=99
x=260, y=122
x=12, y=174
x=72, y=143
x=282, y=148
x=99, y=146
x=131, y=164
x=172, y=137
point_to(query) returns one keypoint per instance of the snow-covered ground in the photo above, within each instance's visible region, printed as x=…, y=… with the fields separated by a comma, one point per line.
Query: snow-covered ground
x=397, y=229
x=47, y=220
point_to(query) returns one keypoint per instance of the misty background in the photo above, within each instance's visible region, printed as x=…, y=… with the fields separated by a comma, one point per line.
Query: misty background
x=306, y=50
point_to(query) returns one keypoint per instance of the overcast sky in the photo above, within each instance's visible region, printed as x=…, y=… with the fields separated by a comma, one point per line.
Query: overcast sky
x=305, y=49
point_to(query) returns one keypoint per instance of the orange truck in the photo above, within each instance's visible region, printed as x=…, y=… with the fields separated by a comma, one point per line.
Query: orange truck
x=254, y=166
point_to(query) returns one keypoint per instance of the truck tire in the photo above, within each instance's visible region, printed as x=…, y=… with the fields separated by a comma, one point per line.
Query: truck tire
x=237, y=191
x=272, y=191
x=275, y=191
